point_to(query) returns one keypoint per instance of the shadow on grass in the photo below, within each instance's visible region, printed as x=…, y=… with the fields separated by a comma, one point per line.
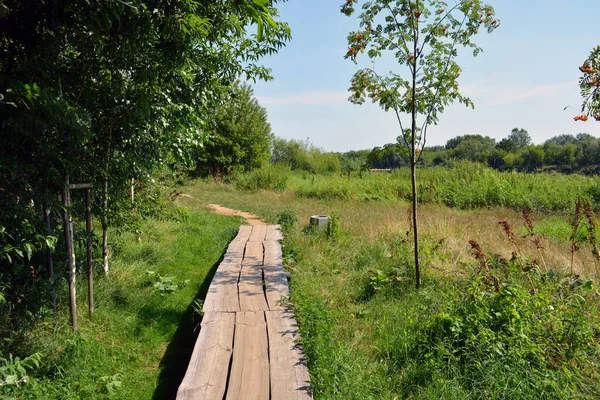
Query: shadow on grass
x=179, y=351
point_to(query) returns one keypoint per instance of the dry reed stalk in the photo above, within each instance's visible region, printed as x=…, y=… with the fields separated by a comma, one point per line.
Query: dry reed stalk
x=531, y=232
x=510, y=235
x=591, y=222
x=482, y=258
x=575, y=224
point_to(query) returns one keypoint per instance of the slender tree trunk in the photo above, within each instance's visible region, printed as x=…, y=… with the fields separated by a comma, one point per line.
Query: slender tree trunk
x=413, y=170
x=88, y=228
x=50, y=262
x=105, y=206
x=132, y=195
x=68, y=232
x=413, y=158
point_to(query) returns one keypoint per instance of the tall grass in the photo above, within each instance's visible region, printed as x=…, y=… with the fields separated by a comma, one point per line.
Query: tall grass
x=137, y=344
x=464, y=185
x=511, y=332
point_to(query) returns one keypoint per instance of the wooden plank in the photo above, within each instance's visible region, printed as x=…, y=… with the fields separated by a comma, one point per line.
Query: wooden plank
x=223, y=291
x=244, y=233
x=276, y=286
x=274, y=233
x=206, y=376
x=236, y=249
x=288, y=370
x=249, y=376
x=251, y=290
x=259, y=232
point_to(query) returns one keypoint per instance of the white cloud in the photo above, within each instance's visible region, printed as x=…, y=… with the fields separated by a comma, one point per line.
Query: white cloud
x=308, y=98
x=487, y=93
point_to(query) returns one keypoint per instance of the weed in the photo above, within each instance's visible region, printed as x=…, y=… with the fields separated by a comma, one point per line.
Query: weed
x=13, y=371
x=333, y=226
x=288, y=220
x=164, y=284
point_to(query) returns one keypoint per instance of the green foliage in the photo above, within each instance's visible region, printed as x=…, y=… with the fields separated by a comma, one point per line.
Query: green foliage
x=424, y=38
x=589, y=83
x=333, y=226
x=288, y=220
x=459, y=185
x=13, y=371
x=301, y=155
x=107, y=94
x=164, y=284
x=132, y=347
x=471, y=147
x=530, y=340
x=271, y=177
x=238, y=136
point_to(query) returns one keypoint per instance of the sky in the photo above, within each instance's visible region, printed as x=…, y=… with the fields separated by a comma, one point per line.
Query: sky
x=526, y=76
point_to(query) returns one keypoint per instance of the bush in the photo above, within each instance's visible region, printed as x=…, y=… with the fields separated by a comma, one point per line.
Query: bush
x=271, y=177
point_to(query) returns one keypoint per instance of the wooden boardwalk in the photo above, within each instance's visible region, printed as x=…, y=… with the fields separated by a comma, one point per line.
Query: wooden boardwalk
x=247, y=346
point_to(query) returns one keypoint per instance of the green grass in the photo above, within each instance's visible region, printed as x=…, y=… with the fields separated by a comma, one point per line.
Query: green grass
x=465, y=186
x=368, y=334
x=138, y=343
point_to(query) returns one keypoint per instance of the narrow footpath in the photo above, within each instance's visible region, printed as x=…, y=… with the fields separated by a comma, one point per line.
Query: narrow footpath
x=247, y=347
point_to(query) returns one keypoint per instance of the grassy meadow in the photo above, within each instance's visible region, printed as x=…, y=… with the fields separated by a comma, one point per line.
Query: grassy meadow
x=522, y=326
x=501, y=317
x=143, y=330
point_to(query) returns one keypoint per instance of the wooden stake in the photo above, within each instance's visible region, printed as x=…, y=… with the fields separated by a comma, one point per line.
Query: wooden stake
x=68, y=231
x=88, y=227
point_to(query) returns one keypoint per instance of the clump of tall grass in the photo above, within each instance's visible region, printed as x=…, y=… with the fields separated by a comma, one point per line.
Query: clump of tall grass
x=465, y=185
x=271, y=177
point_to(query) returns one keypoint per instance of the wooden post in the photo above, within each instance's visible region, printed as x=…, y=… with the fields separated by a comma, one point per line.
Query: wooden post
x=88, y=227
x=68, y=227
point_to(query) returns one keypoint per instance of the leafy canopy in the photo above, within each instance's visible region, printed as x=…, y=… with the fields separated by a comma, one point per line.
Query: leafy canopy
x=590, y=87
x=424, y=36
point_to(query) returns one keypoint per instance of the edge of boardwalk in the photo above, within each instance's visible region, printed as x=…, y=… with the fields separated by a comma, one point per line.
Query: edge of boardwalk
x=248, y=341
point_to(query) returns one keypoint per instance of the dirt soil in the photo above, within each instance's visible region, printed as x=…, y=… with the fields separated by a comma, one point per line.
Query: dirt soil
x=251, y=219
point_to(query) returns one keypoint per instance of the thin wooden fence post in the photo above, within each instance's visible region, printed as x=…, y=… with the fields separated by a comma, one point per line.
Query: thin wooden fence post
x=68, y=231
x=88, y=226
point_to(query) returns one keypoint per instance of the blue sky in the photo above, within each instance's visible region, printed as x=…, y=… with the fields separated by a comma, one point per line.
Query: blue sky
x=525, y=77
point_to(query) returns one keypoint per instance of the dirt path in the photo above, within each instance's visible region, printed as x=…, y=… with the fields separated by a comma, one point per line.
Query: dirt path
x=251, y=219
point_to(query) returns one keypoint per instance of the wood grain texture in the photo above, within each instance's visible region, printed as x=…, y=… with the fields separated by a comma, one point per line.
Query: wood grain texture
x=223, y=293
x=251, y=289
x=274, y=233
x=206, y=376
x=288, y=370
x=259, y=232
x=276, y=285
x=249, y=376
x=244, y=233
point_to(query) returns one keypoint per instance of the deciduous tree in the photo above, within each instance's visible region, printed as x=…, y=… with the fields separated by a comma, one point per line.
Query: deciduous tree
x=424, y=36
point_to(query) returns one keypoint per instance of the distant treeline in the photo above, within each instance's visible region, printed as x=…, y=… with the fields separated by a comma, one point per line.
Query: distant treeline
x=563, y=153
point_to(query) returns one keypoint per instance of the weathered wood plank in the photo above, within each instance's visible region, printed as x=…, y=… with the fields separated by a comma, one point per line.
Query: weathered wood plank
x=206, y=376
x=223, y=291
x=274, y=233
x=288, y=370
x=244, y=233
x=249, y=376
x=276, y=285
x=251, y=289
x=259, y=232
